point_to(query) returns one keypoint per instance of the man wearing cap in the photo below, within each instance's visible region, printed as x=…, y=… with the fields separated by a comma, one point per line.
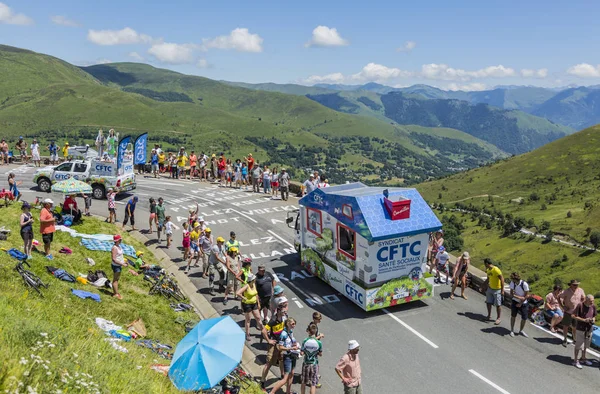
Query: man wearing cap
x=139, y=263
x=117, y=264
x=65, y=151
x=53, y=149
x=206, y=243
x=22, y=148
x=232, y=242
x=309, y=184
x=265, y=282
x=129, y=212
x=441, y=265
x=35, y=153
x=217, y=261
x=256, y=173
x=271, y=333
x=569, y=300
x=348, y=369
x=284, y=184
x=47, y=228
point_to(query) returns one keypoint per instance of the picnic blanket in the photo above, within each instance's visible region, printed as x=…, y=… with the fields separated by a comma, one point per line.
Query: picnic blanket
x=86, y=294
x=106, y=246
x=75, y=233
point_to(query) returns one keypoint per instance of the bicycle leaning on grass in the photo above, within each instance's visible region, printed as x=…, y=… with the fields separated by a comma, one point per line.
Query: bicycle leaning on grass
x=165, y=286
x=30, y=279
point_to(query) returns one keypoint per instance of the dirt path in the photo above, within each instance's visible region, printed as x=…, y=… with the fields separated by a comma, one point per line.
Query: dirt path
x=469, y=198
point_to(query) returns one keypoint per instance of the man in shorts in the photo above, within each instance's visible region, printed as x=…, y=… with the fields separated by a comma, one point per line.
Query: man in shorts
x=495, y=287
x=47, y=227
x=53, y=149
x=284, y=184
x=22, y=148
x=217, y=261
x=154, y=163
x=585, y=317
x=271, y=332
x=569, y=300
x=311, y=349
x=441, y=265
x=3, y=151
x=265, y=282
x=160, y=217
x=519, y=293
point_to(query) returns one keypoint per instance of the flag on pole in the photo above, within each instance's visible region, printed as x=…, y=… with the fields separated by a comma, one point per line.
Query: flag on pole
x=140, y=149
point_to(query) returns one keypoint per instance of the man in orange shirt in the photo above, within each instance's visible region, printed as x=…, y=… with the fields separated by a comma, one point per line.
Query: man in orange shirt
x=47, y=226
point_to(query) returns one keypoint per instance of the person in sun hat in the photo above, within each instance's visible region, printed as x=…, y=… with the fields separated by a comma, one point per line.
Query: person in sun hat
x=194, y=246
x=118, y=262
x=460, y=274
x=348, y=369
x=233, y=272
x=217, y=261
x=47, y=228
x=65, y=150
x=278, y=292
x=569, y=300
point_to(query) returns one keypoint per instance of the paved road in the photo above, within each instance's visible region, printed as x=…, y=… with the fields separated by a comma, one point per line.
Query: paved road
x=437, y=346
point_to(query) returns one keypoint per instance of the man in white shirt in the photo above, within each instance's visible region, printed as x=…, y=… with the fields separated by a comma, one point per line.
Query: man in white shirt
x=519, y=292
x=441, y=264
x=309, y=184
x=217, y=260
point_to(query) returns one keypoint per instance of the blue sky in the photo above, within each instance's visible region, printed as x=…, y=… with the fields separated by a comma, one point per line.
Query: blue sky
x=450, y=44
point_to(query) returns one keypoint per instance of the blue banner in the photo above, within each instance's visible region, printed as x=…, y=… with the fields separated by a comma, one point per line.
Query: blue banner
x=140, y=149
x=121, y=150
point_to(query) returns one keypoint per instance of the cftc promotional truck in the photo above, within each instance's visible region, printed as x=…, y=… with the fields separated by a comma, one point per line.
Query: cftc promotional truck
x=101, y=175
x=368, y=243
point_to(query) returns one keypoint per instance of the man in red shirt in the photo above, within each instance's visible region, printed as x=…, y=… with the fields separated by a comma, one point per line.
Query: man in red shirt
x=47, y=226
x=250, y=161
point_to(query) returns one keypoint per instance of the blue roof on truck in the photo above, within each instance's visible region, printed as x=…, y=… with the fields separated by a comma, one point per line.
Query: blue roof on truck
x=368, y=215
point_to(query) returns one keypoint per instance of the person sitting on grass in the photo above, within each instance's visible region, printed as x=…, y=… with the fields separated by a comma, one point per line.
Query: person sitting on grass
x=139, y=263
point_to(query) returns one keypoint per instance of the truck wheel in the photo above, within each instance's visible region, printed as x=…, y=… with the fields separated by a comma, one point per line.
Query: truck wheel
x=98, y=192
x=44, y=185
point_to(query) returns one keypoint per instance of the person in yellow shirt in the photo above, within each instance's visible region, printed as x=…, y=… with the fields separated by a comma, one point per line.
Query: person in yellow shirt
x=494, y=285
x=65, y=150
x=182, y=159
x=194, y=245
x=161, y=161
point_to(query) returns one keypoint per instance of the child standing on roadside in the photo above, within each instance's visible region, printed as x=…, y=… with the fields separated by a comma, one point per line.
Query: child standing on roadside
x=311, y=350
x=168, y=230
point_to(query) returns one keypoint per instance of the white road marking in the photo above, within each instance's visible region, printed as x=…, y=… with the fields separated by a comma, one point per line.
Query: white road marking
x=281, y=239
x=433, y=345
x=297, y=303
x=244, y=215
x=154, y=188
x=119, y=202
x=161, y=183
x=592, y=352
x=494, y=385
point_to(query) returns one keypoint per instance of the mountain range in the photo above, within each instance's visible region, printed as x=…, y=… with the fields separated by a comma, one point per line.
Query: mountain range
x=48, y=98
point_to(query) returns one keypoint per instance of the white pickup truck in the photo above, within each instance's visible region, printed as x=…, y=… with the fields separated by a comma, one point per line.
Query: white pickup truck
x=101, y=175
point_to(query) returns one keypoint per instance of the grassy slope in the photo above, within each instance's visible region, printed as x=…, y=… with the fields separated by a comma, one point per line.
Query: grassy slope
x=69, y=321
x=566, y=168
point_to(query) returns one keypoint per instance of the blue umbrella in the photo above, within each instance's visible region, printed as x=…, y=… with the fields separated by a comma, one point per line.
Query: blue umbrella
x=207, y=354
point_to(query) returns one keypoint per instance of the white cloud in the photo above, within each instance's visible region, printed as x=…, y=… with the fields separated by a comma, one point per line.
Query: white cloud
x=444, y=72
x=379, y=72
x=530, y=73
x=323, y=36
x=11, y=18
x=117, y=37
x=136, y=56
x=172, y=53
x=239, y=39
x=407, y=47
x=475, y=86
x=584, y=70
x=202, y=63
x=329, y=78
x=63, y=21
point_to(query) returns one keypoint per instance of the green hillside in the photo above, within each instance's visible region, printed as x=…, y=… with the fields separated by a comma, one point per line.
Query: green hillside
x=48, y=98
x=554, y=188
x=576, y=107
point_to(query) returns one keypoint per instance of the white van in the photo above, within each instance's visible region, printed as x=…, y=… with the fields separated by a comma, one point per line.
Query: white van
x=101, y=175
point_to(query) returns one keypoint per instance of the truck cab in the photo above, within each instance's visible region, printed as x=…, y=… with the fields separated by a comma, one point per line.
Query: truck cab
x=293, y=221
x=100, y=174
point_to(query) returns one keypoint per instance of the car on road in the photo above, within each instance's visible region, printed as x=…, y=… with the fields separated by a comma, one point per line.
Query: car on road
x=101, y=175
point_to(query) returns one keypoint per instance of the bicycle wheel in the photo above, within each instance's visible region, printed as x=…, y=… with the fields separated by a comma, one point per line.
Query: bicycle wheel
x=32, y=283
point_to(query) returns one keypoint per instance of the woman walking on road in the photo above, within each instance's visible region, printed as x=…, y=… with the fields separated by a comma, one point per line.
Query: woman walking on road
x=289, y=349
x=460, y=275
x=250, y=303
